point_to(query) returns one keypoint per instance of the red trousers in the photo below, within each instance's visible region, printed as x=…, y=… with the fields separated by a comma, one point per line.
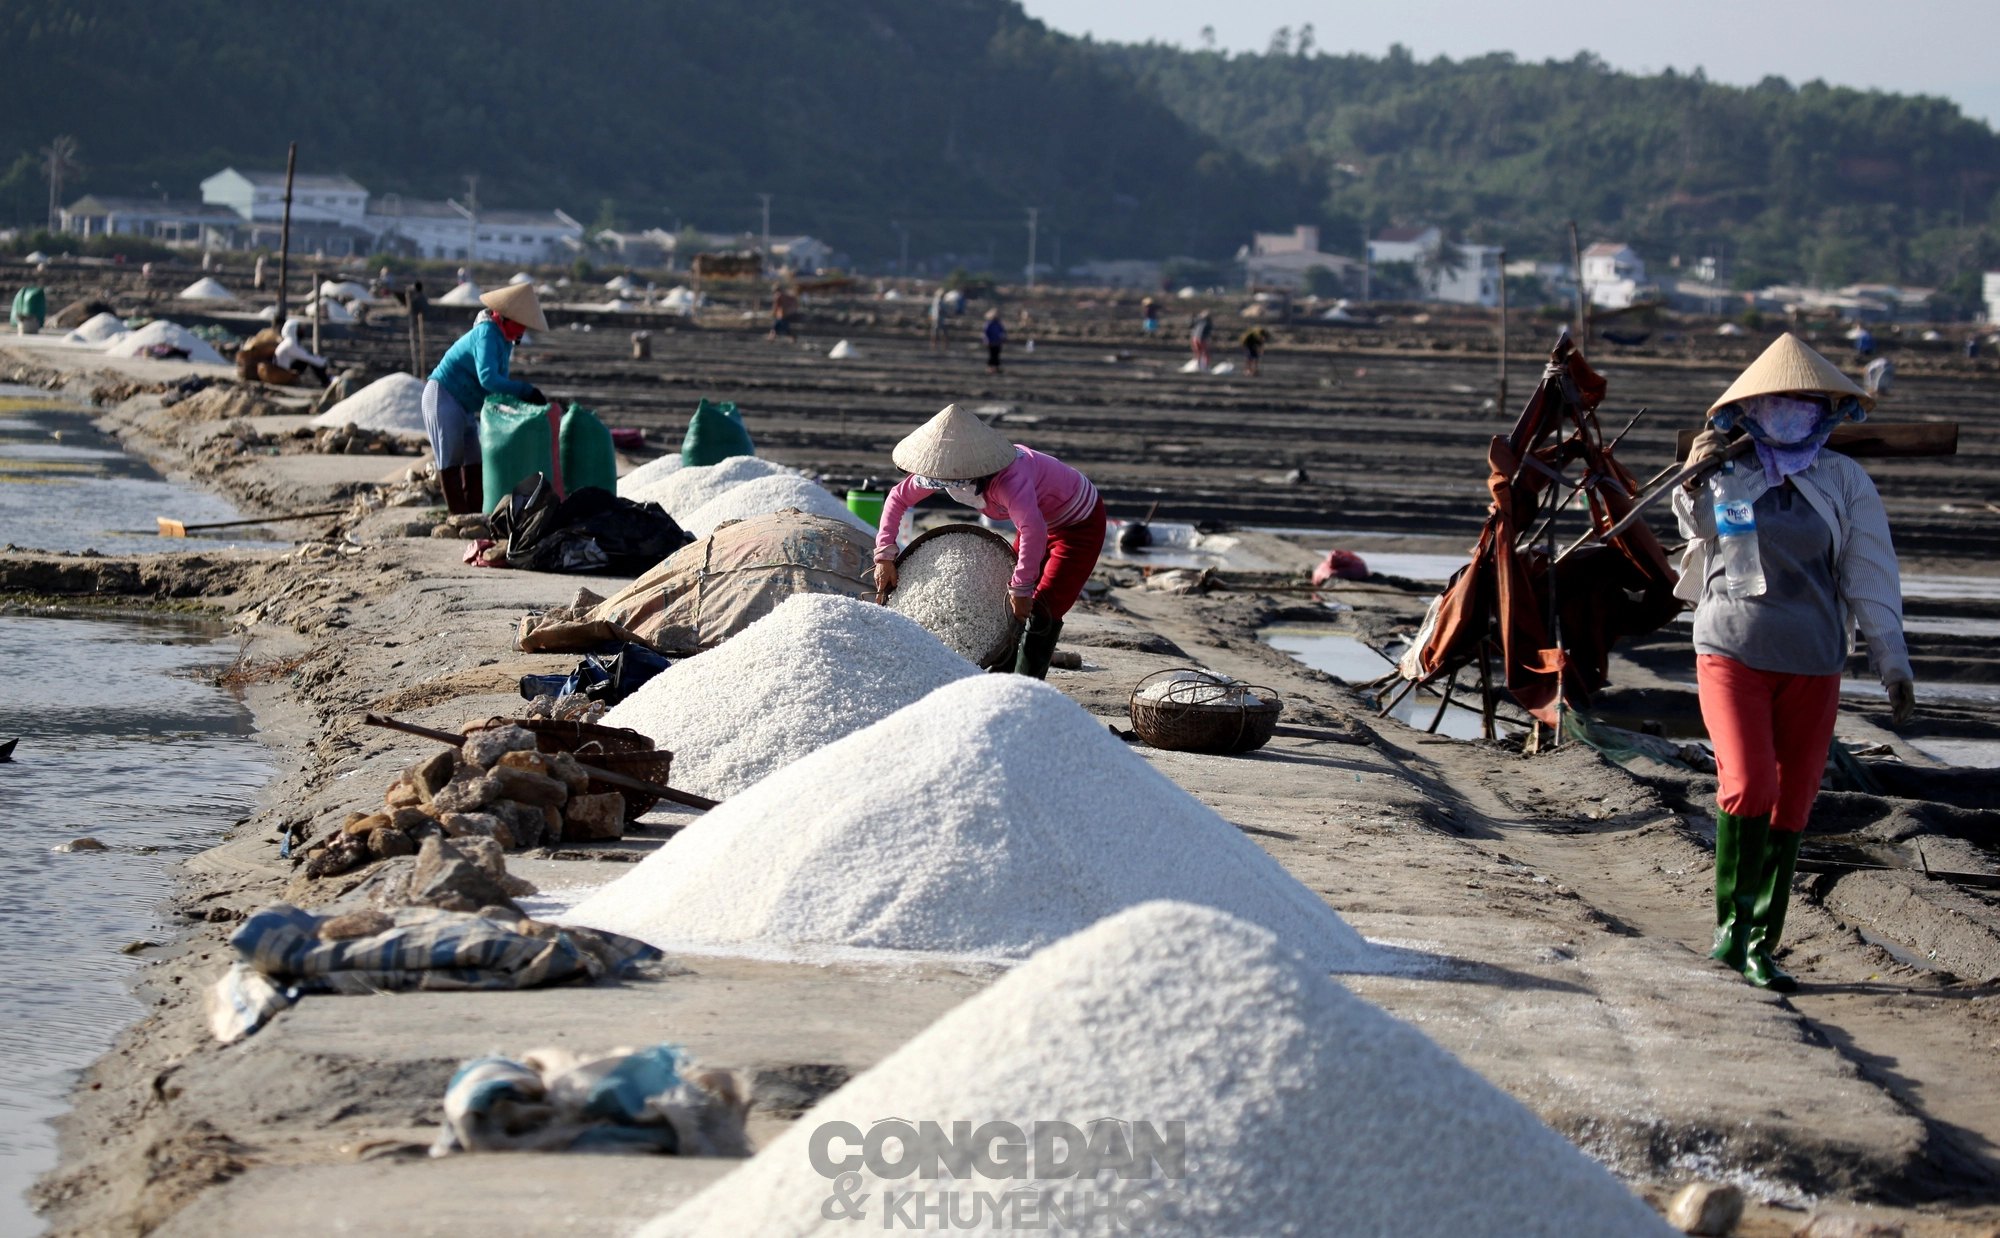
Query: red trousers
x=1071, y=558
x=1770, y=733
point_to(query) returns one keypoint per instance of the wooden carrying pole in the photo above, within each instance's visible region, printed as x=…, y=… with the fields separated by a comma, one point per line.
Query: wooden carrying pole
x=285, y=238
x=1501, y=407
x=601, y=775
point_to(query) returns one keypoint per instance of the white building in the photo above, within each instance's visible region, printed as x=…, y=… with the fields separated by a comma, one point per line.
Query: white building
x=448, y=230
x=1284, y=258
x=1990, y=290
x=260, y=196
x=1613, y=274
x=1458, y=274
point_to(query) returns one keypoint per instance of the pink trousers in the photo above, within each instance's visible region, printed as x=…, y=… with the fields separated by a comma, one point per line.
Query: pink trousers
x=1770, y=732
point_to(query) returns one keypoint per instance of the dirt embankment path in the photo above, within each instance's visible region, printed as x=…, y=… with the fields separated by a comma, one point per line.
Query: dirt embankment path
x=1543, y=918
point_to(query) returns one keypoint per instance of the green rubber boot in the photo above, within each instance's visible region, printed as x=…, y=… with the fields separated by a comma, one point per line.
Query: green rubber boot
x=1767, y=915
x=1739, y=861
x=1038, y=646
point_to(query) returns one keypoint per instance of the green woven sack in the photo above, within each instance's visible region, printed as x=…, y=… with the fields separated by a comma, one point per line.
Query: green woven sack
x=714, y=434
x=588, y=458
x=514, y=441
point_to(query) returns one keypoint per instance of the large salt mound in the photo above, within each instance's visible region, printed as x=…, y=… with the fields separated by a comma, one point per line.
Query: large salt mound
x=648, y=475
x=206, y=289
x=816, y=668
x=101, y=329
x=466, y=293
x=394, y=402
x=767, y=495
x=684, y=490
x=1307, y=1110
x=160, y=331
x=990, y=819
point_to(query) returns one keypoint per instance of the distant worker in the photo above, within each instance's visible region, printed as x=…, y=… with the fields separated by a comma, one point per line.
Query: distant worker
x=1199, y=330
x=1972, y=346
x=783, y=303
x=996, y=337
x=290, y=360
x=937, y=317
x=1864, y=341
x=1768, y=660
x=1149, y=315
x=1253, y=348
x=1879, y=377
x=470, y=370
x=1057, y=515
x=31, y=307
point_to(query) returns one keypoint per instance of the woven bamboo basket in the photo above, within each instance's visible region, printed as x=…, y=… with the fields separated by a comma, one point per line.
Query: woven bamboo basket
x=1202, y=712
x=615, y=748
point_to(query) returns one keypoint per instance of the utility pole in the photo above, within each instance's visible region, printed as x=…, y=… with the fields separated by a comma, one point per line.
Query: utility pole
x=1501, y=407
x=285, y=237
x=1034, y=213
x=471, y=221
x=767, y=227
x=1582, y=302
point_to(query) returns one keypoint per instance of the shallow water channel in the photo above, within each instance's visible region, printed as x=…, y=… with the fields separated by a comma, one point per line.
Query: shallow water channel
x=121, y=739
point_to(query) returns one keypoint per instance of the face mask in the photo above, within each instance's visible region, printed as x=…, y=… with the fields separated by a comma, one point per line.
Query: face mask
x=965, y=494
x=1784, y=421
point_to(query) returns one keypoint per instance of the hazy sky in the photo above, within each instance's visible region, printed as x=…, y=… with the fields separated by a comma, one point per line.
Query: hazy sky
x=1938, y=47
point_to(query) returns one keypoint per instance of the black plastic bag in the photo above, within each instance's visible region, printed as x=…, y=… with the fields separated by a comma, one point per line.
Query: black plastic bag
x=593, y=530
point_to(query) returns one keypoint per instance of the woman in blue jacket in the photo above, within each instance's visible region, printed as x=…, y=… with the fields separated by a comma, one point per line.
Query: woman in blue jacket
x=472, y=369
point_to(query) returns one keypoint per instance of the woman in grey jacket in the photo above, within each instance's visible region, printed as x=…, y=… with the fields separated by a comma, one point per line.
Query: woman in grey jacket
x=1769, y=655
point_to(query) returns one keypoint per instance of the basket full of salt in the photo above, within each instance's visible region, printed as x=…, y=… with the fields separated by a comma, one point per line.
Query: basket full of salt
x=1189, y=710
x=953, y=580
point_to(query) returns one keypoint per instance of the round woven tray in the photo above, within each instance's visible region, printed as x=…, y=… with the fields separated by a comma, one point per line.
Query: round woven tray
x=618, y=749
x=1005, y=647
x=1206, y=714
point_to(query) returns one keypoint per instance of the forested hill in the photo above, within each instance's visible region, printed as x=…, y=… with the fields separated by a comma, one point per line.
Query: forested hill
x=945, y=116
x=1795, y=182
x=869, y=121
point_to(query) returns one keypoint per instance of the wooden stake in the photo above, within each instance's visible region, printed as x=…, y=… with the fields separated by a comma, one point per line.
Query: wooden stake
x=1501, y=407
x=285, y=239
x=1576, y=277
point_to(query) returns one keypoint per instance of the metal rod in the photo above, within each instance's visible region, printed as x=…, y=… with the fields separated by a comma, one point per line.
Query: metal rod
x=1408, y=686
x=596, y=772
x=1486, y=701
x=1696, y=472
x=1443, y=705
x=1627, y=430
x=1582, y=302
x=1501, y=407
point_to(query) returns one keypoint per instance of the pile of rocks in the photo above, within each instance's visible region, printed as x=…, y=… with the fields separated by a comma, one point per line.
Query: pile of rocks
x=496, y=787
x=356, y=441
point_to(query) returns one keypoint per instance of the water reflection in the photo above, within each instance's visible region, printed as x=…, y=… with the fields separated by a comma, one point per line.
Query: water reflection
x=120, y=740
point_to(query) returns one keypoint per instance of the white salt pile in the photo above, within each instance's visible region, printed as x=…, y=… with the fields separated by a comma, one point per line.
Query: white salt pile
x=767, y=495
x=520, y=277
x=160, y=331
x=344, y=290
x=956, y=586
x=844, y=351
x=679, y=301
x=684, y=490
x=816, y=668
x=394, y=402
x=101, y=329
x=1306, y=1110
x=988, y=820
x=206, y=289
x=648, y=475
x=466, y=293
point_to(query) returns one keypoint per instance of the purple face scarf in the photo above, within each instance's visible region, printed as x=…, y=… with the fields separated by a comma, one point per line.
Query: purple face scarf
x=1789, y=433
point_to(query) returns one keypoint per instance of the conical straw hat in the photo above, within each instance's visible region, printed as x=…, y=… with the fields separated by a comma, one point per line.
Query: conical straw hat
x=517, y=301
x=954, y=446
x=1788, y=365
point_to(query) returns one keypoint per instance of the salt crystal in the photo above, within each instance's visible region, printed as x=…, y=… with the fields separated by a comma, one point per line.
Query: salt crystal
x=100, y=329
x=646, y=476
x=681, y=491
x=160, y=331
x=394, y=403
x=956, y=586
x=767, y=495
x=818, y=667
x=1305, y=1110
x=992, y=818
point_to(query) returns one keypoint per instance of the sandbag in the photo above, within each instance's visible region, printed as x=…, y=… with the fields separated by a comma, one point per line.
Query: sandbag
x=517, y=440
x=716, y=587
x=714, y=434
x=589, y=458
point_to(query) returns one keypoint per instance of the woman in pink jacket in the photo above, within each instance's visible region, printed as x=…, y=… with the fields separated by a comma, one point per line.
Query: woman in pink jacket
x=1057, y=515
